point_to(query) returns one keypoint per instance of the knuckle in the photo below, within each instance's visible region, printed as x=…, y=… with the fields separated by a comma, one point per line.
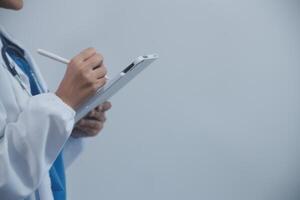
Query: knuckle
x=97, y=126
x=94, y=87
x=102, y=82
x=108, y=104
x=89, y=83
x=92, y=61
x=97, y=59
x=100, y=56
x=82, y=71
x=82, y=123
x=74, y=62
x=85, y=75
x=92, y=113
x=104, y=70
x=90, y=49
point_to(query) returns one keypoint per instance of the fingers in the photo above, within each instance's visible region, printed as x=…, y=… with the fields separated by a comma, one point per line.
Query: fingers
x=84, y=132
x=99, y=108
x=89, y=132
x=90, y=123
x=100, y=72
x=97, y=115
x=94, y=61
x=93, y=123
x=95, y=66
x=78, y=133
x=90, y=126
x=94, y=114
x=99, y=112
x=84, y=55
x=106, y=106
x=100, y=82
x=85, y=74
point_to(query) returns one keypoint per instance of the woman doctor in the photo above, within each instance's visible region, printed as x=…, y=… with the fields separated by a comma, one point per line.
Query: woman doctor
x=38, y=137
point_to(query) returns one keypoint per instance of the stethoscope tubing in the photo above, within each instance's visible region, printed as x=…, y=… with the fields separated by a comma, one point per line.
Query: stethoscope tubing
x=10, y=66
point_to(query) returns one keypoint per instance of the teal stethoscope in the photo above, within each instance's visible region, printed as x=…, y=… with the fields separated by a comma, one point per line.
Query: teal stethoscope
x=10, y=64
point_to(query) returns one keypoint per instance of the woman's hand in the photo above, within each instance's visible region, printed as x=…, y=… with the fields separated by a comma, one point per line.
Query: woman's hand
x=93, y=123
x=84, y=76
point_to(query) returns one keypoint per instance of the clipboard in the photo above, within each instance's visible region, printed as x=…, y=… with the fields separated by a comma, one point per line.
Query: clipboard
x=115, y=84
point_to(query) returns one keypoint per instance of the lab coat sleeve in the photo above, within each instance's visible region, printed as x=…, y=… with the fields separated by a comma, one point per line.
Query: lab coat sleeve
x=72, y=150
x=29, y=145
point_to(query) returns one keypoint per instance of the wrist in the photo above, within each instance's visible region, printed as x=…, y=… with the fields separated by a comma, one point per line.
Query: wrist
x=60, y=95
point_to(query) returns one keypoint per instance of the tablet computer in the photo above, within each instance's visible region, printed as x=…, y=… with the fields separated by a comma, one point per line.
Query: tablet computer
x=115, y=84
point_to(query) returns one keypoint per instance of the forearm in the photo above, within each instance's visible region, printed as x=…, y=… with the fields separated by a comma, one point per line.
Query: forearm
x=29, y=145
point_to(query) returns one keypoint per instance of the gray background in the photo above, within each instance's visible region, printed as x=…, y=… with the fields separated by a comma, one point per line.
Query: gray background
x=216, y=118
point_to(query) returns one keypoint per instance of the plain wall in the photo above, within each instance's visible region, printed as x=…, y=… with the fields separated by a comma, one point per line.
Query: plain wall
x=217, y=117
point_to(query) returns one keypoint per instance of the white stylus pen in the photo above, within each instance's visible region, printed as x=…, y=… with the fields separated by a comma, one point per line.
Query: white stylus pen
x=55, y=57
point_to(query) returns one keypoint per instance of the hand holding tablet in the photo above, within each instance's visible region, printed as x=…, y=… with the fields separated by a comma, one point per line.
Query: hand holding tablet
x=112, y=86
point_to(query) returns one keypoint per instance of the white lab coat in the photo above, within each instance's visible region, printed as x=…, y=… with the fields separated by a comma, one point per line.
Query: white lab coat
x=33, y=130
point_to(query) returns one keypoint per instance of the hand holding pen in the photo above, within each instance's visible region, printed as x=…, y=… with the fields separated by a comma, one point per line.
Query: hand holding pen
x=85, y=74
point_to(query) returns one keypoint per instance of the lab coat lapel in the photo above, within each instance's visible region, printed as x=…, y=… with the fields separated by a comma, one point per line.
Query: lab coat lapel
x=31, y=61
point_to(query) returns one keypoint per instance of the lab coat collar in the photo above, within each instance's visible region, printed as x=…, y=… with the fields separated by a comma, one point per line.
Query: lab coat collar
x=28, y=56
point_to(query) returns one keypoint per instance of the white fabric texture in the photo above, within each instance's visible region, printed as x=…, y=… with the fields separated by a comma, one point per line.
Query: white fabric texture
x=33, y=130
